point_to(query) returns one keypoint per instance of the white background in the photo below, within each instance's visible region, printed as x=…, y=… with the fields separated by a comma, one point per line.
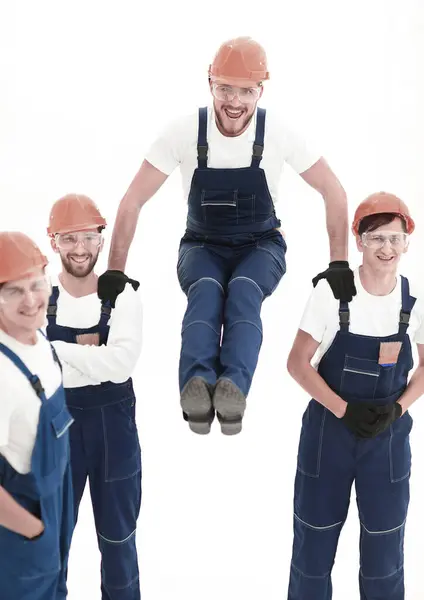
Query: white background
x=85, y=87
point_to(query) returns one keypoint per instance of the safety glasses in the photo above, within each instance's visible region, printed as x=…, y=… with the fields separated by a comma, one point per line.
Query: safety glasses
x=227, y=93
x=69, y=241
x=15, y=293
x=377, y=239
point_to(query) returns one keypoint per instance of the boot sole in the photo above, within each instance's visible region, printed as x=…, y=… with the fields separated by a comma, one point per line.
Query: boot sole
x=230, y=404
x=196, y=403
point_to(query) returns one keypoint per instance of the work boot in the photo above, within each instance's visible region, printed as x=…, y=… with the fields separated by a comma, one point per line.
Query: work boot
x=230, y=404
x=196, y=402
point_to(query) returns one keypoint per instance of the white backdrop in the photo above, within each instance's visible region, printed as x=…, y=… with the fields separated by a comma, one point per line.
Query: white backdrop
x=85, y=87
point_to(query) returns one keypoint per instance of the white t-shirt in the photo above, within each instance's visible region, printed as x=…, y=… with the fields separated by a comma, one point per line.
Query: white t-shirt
x=19, y=404
x=177, y=146
x=369, y=315
x=92, y=365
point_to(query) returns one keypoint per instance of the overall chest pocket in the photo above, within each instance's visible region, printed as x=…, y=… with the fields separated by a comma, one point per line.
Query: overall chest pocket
x=360, y=377
x=220, y=206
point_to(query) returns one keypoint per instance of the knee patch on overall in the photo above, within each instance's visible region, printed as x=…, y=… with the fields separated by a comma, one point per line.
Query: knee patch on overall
x=381, y=553
x=205, y=305
x=119, y=561
x=244, y=302
x=314, y=548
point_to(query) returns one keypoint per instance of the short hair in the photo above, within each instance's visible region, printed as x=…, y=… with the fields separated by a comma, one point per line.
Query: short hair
x=373, y=222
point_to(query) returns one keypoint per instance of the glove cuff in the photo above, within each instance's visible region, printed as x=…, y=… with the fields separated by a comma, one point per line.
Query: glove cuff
x=339, y=263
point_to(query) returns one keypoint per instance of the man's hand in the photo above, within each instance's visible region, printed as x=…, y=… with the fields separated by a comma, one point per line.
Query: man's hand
x=88, y=339
x=112, y=283
x=340, y=278
x=367, y=420
x=36, y=530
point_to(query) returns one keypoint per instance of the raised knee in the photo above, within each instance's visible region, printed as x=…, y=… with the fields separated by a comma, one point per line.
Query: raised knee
x=203, y=282
x=245, y=281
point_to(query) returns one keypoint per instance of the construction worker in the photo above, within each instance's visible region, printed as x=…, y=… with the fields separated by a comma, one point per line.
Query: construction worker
x=36, y=508
x=357, y=426
x=232, y=255
x=98, y=348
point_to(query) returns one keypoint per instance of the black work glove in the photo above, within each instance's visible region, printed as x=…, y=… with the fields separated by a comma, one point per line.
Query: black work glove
x=367, y=420
x=340, y=278
x=112, y=283
x=386, y=415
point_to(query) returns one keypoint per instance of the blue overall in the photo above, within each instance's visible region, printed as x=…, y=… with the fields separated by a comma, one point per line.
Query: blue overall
x=230, y=259
x=331, y=457
x=105, y=449
x=36, y=569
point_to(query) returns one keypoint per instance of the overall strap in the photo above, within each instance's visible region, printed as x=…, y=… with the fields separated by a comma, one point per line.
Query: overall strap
x=105, y=313
x=52, y=307
x=33, y=379
x=344, y=316
x=408, y=302
x=202, y=142
x=258, y=146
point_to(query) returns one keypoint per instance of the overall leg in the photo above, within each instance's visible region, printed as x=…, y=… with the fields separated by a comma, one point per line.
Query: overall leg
x=74, y=485
x=253, y=279
x=323, y=484
x=202, y=276
x=67, y=527
x=382, y=489
x=115, y=486
x=79, y=467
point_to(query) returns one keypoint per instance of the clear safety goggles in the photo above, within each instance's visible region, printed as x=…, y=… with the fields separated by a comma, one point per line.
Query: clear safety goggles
x=227, y=93
x=377, y=239
x=13, y=293
x=69, y=241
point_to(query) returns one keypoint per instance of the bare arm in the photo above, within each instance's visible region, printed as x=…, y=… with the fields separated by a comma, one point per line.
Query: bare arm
x=415, y=387
x=144, y=185
x=16, y=518
x=300, y=368
x=324, y=181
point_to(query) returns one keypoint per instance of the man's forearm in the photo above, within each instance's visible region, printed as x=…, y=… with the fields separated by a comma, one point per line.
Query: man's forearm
x=308, y=378
x=414, y=390
x=337, y=223
x=123, y=235
x=144, y=185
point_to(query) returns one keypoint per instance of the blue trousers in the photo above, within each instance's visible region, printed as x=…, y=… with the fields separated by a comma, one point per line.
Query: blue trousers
x=225, y=281
x=105, y=450
x=330, y=459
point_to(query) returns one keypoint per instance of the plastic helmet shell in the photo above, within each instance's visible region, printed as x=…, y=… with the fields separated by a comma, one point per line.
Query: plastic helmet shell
x=240, y=60
x=382, y=202
x=74, y=212
x=19, y=256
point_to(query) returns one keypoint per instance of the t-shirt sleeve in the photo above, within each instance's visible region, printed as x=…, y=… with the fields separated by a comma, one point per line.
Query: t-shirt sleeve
x=316, y=314
x=419, y=333
x=299, y=153
x=167, y=152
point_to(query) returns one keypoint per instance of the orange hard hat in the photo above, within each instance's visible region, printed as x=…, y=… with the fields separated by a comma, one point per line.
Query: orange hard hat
x=382, y=202
x=74, y=212
x=240, y=60
x=19, y=255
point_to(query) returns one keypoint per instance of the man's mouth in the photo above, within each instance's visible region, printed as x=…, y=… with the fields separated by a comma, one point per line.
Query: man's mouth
x=79, y=260
x=233, y=113
x=386, y=259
